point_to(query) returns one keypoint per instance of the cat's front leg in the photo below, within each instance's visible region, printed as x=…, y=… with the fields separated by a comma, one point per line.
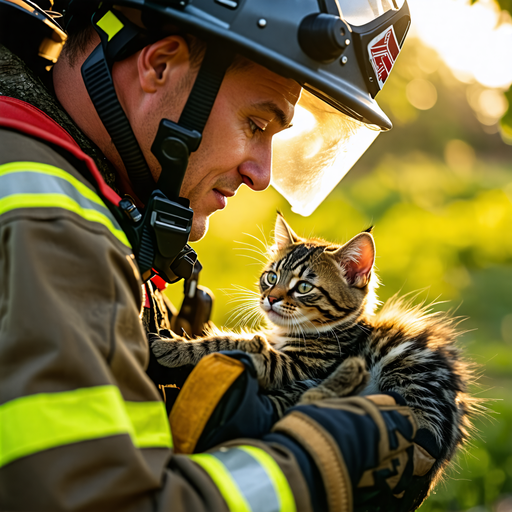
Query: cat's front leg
x=173, y=350
x=349, y=378
x=177, y=351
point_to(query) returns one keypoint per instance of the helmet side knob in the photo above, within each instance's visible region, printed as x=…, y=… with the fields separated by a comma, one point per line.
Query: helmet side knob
x=323, y=37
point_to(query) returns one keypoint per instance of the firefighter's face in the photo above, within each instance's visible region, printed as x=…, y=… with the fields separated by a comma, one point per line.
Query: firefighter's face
x=253, y=104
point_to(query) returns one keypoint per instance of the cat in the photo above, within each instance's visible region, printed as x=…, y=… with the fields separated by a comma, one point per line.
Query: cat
x=325, y=339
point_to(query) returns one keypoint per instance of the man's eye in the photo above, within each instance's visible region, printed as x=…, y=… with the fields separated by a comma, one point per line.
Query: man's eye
x=304, y=287
x=254, y=127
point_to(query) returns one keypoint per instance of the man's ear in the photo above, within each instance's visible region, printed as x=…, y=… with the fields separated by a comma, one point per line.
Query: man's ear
x=165, y=61
x=283, y=233
x=356, y=258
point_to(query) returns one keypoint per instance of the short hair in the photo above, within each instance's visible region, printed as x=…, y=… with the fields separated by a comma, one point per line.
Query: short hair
x=76, y=44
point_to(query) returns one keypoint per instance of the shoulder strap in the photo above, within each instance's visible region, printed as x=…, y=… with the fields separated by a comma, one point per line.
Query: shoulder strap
x=25, y=118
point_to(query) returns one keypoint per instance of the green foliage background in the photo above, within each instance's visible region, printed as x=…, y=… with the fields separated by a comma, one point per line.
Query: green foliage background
x=444, y=229
x=506, y=120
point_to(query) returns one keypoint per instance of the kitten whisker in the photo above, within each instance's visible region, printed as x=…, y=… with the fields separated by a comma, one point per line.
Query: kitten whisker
x=240, y=252
x=237, y=287
x=244, y=312
x=252, y=247
x=262, y=242
x=256, y=260
x=263, y=250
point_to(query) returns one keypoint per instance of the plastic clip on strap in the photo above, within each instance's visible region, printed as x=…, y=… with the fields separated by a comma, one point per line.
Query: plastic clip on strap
x=159, y=238
x=172, y=147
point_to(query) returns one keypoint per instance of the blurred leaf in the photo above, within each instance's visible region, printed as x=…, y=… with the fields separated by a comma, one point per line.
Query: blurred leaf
x=506, y=120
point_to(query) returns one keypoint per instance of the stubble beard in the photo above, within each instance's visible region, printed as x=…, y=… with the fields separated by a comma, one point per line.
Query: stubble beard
x=199, y=228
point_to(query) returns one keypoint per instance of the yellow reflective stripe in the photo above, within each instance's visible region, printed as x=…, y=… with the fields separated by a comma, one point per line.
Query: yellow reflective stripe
x=275, y=474
x=60, y=201
x=150, y=424
x=224, y=482
x=110, y=24
x=51, y=170
x=39, y=422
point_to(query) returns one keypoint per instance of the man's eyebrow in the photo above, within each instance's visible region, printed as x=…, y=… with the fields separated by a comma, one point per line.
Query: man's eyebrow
x=270, y=106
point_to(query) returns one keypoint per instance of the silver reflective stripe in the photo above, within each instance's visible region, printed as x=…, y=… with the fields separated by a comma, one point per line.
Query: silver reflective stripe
x=249, y=479
x=252, y=479
x=32, y=184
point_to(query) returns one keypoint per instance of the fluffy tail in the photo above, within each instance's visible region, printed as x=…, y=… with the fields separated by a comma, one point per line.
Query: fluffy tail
x=416, y=354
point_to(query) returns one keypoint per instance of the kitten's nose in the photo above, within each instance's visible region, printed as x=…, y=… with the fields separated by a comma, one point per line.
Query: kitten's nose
x=273, y=300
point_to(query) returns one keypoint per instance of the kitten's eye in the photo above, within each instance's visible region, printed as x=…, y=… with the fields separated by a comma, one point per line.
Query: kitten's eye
x=271, y=278
x=304, y=287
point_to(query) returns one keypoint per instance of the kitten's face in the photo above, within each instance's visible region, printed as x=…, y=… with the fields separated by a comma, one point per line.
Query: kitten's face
x=314, y=285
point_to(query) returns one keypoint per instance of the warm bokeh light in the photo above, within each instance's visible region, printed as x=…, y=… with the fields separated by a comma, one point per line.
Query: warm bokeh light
x=303, y=122
x=459, y=156
x=421, y=93
x=488, y=104
x=474, y=40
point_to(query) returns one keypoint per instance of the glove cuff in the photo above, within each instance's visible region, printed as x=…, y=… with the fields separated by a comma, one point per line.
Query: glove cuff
x=202, y=392
x=325, y=452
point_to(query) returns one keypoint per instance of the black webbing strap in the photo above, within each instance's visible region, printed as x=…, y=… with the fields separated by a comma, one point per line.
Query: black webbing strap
x=215, y=63
x=97, y=76
x=99, y=84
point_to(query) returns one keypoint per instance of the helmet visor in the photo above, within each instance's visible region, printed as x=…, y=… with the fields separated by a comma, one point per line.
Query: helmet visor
x=364, y=11
x=310, y=158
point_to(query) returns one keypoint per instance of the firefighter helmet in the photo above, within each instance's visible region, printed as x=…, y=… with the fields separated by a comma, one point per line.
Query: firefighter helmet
x=340, y=51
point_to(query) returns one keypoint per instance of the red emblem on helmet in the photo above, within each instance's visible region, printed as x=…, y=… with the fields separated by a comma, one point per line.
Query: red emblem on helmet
x=383, y=51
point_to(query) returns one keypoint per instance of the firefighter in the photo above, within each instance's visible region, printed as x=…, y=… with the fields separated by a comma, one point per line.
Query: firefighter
x=156, y=112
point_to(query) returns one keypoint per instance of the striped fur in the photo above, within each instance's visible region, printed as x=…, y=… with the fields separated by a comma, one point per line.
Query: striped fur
x=328, y=341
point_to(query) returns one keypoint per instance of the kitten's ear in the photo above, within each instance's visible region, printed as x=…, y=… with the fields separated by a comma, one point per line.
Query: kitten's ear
x=357, y=257
x=283, y=234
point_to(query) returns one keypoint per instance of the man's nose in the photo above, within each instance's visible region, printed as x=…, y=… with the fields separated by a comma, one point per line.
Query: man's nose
x=256, y=171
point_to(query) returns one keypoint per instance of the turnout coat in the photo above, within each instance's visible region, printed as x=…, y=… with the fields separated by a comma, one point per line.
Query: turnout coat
x=82, y=425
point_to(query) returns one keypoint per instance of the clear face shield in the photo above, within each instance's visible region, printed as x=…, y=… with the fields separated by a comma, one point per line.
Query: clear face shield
x=310, y=158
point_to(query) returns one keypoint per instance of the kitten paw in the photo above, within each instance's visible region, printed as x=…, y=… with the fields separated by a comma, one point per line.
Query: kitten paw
x=349, y=379
x=256, y=345
x=162, y=346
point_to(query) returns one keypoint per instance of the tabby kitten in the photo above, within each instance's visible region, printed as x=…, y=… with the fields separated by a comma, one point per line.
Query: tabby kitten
x=325, y=340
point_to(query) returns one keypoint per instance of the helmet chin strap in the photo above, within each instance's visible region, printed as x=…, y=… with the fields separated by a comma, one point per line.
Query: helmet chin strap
x=159, y=236
x=97, y=77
